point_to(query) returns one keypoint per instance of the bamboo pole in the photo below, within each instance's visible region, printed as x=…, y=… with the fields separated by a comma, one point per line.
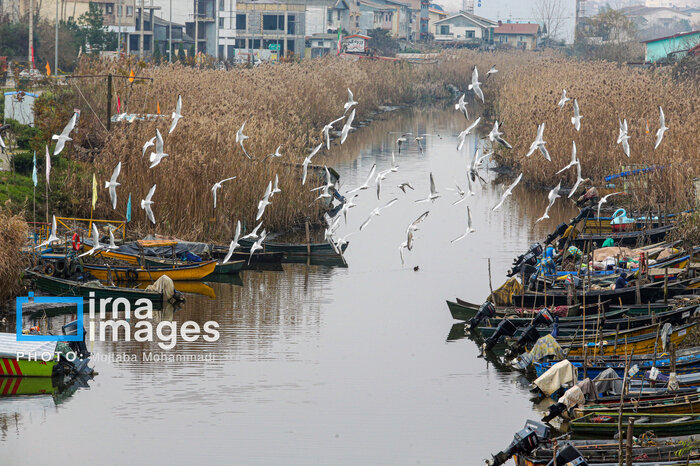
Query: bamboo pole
x=630, y=431
x=622, y=400
x=490, y=285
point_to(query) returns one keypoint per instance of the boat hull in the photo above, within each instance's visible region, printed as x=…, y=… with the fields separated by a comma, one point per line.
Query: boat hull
x=12, y=367
x=176, y=273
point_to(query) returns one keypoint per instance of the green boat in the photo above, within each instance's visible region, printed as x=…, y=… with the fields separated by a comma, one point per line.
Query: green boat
x=604, y=425
x=61, y=287
x=465, y=311
x=293, y=249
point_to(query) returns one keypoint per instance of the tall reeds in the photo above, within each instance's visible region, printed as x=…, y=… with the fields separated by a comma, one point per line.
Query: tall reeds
x=13, y=235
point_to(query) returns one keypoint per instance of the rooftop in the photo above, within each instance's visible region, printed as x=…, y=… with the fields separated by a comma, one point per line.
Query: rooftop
x=517, y=28
x=680, y=34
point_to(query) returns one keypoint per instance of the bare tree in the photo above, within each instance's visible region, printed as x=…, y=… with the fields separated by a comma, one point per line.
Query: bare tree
x=550, y=14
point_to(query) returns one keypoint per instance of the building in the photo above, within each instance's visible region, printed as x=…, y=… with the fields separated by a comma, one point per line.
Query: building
x=673, y=46
x=269, y=29
x=203, y=27
x=161, y=37
x=519, y=35
x=561, y=26
x=327, y=16
x=321, y=45
x=654, y=22
x=465, y=28
x=435, y=13
x=395, y=17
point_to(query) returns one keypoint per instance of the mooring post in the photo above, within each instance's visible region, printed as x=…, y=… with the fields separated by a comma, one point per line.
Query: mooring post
x=308, y=240
x=630, y=431
x=490, y=284
x=666, y=285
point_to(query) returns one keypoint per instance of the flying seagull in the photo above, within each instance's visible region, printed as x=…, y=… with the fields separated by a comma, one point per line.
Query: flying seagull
x=476, y=85
x=660, y=132
x=307, y=162
x=64, y=137
x=275, y=155
x=112, y=185
x=564, y=99
x=253, y=234
x=156, y=157
x=234, y=244
x=147, y=203
x=539, y=143
x=276, y=188
x=326, y=131
x=495, y=135
x=461, y=105
x=151, y=142
x=463, y=135
x=375, y=212
x=257, y=245
x=552, y=196
x=381, y=176
x=403, y=187
x=365, y=185
x=604, y=199
x=623, y=138
x=574, y=160
x=96, y=246
x=217, y=186
x=460, y=192
x=492, y=70
x=412, y=227
x=240, y=137
x=508, y=192
x=264, y=202
x=576, y=119
x=347, y=127
x=469, y=226
x=400, y=140
x=351, y=101
x=394, y=166
x=53, y=237
x=433, y=192
x=176, y=114
x=579, y=179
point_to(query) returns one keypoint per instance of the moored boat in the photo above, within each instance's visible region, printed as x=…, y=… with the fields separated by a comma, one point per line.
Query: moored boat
x=604, y=424
x=195, y=271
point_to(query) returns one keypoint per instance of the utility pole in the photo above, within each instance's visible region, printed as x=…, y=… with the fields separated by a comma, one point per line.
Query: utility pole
x=55, y=52
x=141, y=30
x=196, y=27
x=170, y=34
x=109, y=101
x=120, y=12
x=31, y=33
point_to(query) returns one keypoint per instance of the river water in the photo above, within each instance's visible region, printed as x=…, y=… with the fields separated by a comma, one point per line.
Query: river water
x=319, y=364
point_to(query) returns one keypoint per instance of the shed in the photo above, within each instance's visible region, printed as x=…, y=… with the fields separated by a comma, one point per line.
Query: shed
x=356, y=43
x=19, y=105
x=675, y=45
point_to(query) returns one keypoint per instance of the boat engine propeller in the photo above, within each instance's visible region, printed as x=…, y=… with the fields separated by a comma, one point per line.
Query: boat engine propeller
x=530, y=336
x=504, y=329
x=529, y=258
x=486, y=311
x=524, y=442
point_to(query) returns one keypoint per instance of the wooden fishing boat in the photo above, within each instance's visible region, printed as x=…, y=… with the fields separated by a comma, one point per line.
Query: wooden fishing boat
x=639, y=344
x=227, y=268
x=627, y=295
x=60, y=287
x=190, y=287
x=220, y=252
x=671, y=405
x=624, y=238
x=195, y=271
x=462, y=312
x=604, y=424
x=294, y=249
x=593, y=323
x=642, y=309
x=684, y=365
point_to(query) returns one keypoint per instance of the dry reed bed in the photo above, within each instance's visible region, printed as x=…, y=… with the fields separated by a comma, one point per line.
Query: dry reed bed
x=528, y=95
x=13, y=235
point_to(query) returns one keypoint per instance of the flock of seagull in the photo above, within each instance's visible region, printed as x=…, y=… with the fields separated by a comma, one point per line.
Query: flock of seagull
x=375, y=178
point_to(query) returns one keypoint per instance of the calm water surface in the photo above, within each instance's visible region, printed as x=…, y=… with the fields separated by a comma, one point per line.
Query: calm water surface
x=320, y=365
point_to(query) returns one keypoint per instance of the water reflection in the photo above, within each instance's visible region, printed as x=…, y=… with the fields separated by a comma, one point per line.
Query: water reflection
x=319, y=363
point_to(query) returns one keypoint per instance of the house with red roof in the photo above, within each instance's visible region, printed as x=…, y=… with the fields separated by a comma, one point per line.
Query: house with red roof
x=518, y=35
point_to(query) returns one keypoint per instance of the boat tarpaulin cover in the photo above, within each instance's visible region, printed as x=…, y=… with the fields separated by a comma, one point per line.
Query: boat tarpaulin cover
x=181, y=249
x=559, y=374
x=573, y=397
x=503, y=296
x=608, y=381
x=11, y=348
x=546, y=346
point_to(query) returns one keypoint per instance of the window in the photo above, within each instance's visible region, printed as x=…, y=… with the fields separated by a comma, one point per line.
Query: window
x=239, y=44
x=120, y=11
x=290, y=45
x=273, y=22
x=330, y=16
x=221, y=5
x=240, y=22
x=230, y=51
x=129, y=11
x=109, y=8
x=253, y=43
x=337, y=15
x=444, y=30
x=291, y=24
x=221, y=22
x=469, y=34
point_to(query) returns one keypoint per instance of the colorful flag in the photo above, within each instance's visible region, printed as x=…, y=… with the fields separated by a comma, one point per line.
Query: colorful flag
x=94, y=191
x=34, y=179
x=340, y=42
x=119, y=105
x=158, y=107
x=48, y=69
x=48, y=165
x=128, y=209
x=132, y=75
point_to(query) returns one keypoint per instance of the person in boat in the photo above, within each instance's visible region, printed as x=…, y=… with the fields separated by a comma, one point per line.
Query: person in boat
x=621, y=281
x=550, y=252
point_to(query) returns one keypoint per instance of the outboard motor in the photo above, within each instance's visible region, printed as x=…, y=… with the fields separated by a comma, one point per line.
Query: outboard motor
x=569, y=455
x=504, y=329
x=554, y=410
x=524, y=442
x=558, y=231
x=530, y=257
x=79, y=347
x=486, y=311
x=531, y=334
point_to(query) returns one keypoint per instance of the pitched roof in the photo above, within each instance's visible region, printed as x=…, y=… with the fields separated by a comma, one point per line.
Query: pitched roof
x=680, y=34
x=478, y=20
x=517, y=28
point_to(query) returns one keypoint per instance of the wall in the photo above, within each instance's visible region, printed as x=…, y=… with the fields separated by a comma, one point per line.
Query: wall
x=659, y=49
x=523, y=11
